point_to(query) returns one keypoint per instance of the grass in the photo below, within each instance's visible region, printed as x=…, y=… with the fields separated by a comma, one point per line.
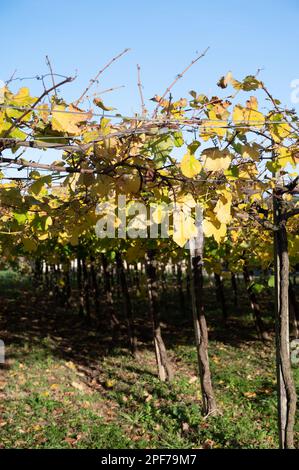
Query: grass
x=61, y=389
x=47, y=406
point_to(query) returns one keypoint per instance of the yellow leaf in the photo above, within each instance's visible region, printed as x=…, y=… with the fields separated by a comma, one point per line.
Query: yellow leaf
x=48, y=222
x=234, y=235
x=279, y=130
x=68, y=121
x=186, y=199
x=256, y=197
x=184, y=228
x=252, y=103
x=110, y=383
x=44, y=112
x=43, y=236
x=213, y=228
x=2, y=94
x=215, y=159
x=287, y=197
x=216, y=359
x=223, y=210
x=37, y=427
x=238, y=114
x=213, y=126
x=285, y=156
x=248, y=171
x=249, y=115
x=159, y=213
x=190, y=166
x=22, y=98
x=179, y=238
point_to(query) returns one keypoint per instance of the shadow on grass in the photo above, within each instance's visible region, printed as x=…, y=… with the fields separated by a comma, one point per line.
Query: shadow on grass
x=29, y=317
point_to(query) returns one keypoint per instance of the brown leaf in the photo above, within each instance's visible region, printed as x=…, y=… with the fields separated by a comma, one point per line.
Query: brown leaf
x=249, y=394
x=208, y=444
x=185, y=427
x=79, y=386
x=192, y=379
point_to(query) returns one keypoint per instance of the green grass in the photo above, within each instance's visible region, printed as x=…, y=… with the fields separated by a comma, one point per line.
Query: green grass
x=43, y=407
x=114, y=401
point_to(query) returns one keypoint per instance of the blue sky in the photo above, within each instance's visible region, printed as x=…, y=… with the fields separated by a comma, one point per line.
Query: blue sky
x=80, y=36
x=164, y=36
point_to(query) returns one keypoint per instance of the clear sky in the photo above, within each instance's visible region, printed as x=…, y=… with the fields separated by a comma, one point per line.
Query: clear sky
x=80, y=36
x=164, y=36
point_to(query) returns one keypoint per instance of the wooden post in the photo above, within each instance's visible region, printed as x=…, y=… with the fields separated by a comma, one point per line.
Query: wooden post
x=163, y=364
x=285, y=384
x=127, y=304
x=200, y=325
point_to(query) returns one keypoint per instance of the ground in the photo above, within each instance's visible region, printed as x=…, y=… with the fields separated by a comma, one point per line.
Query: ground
x=63, y=386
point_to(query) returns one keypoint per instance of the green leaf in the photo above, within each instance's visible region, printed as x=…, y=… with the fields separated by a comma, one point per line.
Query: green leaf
x=34, y=174
x=47, y=222
x=178, y=139
x=99, y=103
x=232, y=172
x=17, y=134
x=273, y=166
x=271, y=281
x=257, y=288
x=193, y=146
x=250, y=83
x=20, y=218
x=38, y=184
